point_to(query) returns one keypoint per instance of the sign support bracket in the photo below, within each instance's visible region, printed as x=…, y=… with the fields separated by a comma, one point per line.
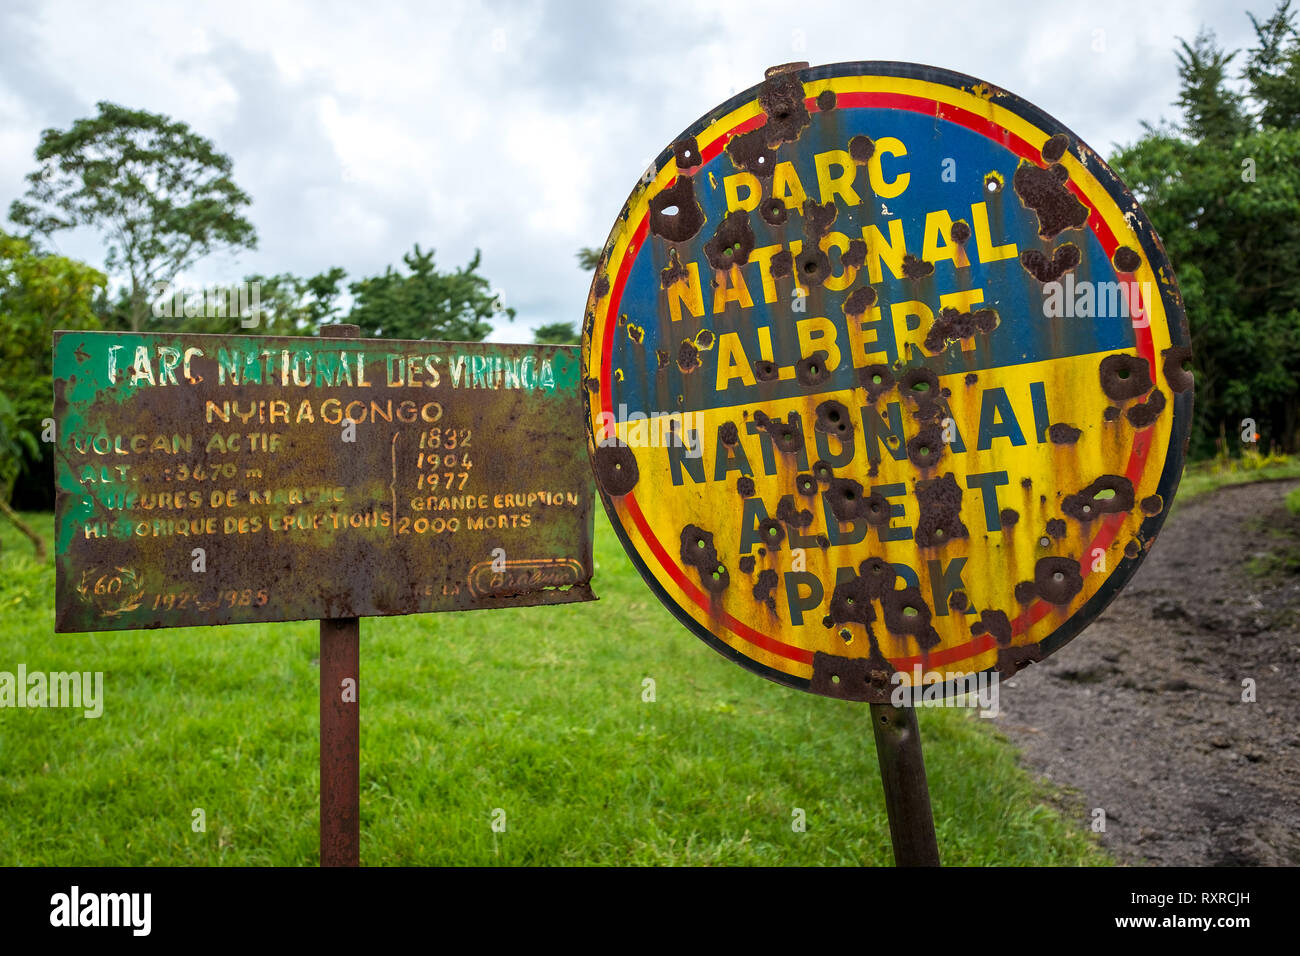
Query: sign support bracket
x=907, y=794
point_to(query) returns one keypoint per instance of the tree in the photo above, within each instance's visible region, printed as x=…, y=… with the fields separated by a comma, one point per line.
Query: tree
x=427, y=304
x=38, y=294
x=588, y=259
x=160, y=194
x=1222, y=188
x=556, y=333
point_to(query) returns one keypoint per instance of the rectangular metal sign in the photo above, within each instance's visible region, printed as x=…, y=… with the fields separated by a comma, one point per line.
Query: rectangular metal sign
x=213, y=479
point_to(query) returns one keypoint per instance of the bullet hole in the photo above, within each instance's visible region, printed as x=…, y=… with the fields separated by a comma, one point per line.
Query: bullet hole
x=774, y=211
x=1109, y=494
x=971, y=378
x=826, y=100
x=675, y=214
x=957, y=601
x=635, y=333
x=1126, y=259
x=940, y=506
x=1124, y=377
x=859, y=301
x=846, y=635
x=763, y=587
x=852, y=678
x=1063, y=434
x=733, y=242
x=993, y=183
x=1152, y=505
x=1044, y=191
x=771, y=533
x=782, y=264
x=1008, y=517
x=1055, y=148
x=813, y=265
x=877, y=576
x=1133, y=548
x=1056, y=528
x=698, y=551
x=995, y=623
x=1178, y=368
x=782, y=99
x=593, y=384
x=1026, y=593
x=861, y=149
x=789, y=515
x=855, y=257
x=850, y=603
x=823, y=542
x=960, y=231
x=1144, y=414
x=752, y=153
x=925, y=449
x=785, y=435
x=822, y=472
x=818, y=219
x=1064, y=258
x=1026, y=483
x=766, y=371
x=1111, y=413
x=729, y=434
x=806, y=485
x=616, y=469
x=745, y=485
x=602, y=287
x=914, y=268
x=704, y=339
x=907, y=613
x=686, y=153
x=746, y=564
x=876, y=379
x=1012, y=660
x=845, y=498
x=833, y=418
x=952, y=325
x=688, y=357
x=812, y=371
x=875, y=508
x=920, y=384
x=1057, y=580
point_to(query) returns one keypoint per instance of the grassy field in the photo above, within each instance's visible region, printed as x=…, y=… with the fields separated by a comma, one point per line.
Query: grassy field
x=537, y=712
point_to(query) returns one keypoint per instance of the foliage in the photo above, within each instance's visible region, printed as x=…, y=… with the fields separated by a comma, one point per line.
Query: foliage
x=160, y=194
x=1222, y=188
x=556, y=333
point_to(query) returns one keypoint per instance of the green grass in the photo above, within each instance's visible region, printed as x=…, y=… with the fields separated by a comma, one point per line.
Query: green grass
x=1205, y=476
x=535, y=711
x=1293, y=502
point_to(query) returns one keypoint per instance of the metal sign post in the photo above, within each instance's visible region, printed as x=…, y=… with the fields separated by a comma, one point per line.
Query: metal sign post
x=925, y=369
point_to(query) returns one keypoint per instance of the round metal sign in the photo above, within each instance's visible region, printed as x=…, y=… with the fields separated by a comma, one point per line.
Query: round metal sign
x=887, y=379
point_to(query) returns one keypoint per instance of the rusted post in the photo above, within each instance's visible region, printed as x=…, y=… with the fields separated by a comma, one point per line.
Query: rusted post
x=907, y=795
x=340, y=723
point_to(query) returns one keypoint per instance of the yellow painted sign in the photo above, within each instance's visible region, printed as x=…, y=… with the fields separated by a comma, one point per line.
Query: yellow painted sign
x=887, y=380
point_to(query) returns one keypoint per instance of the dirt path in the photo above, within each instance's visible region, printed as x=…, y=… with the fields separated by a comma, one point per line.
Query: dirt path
x=1142, y=714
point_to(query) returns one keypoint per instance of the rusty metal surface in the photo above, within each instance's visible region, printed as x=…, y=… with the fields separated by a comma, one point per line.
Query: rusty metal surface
x=928, y=366
x=340, y=742
x=463, y=486
x=907, y=794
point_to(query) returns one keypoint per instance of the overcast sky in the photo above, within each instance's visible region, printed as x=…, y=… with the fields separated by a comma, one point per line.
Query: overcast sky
x=520, y=128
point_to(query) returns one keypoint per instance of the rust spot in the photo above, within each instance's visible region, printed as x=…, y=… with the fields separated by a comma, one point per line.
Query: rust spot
x=852, y=678
x=764, y=586
x=1026, y=483
x=592, y=383
x=926, y=447
x=1025, y=592
x=771, y=533
x=859, y=301
x=813, y=265
x=817, y=220
x=781, y=98
x=1014, y=659
x=854, y=257
x=746, y=564
x=602, y=287
x=1056, y=527
x=993, y=182
x=688, y=356
x=1057, y=580
x=766, y=371
x=907, y=613
x=1055, y=148
x=1064, y=258
x=1044, y=191
x=812, y=370
x=914, y=268
x=704, y=339
x=675, y=214
x=845, y=497
x=823, y=542
x=960, y=231
x=822, y=472
x=1144, y=415
x=851, y=604
x=729, y=434
x=751, y=152
x=782, y=264
x=971, y=378
x=1109, y=494
x=951, y=325
x=876, y=379
x=686, y=153
x=995, y=623
x=788, y=514
x=673, y=272
x=806, y=485
x=1008, y=517
x=876, y=510
x=1111, y=413
x=940, y=518
x=1133, y=548
x=745, y=485
x=1124, y=377
x=1152, y=505
x=1063, y=434
x=826, y=100
x=1176, y=360
x=635, y=333
x=861, y=149
x=833, y=418
x=958, y=601
x=1126, y=259
x=616, y=469
x=786, y=435
x=698, y=551
x=774, y=211
x=732, y=244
